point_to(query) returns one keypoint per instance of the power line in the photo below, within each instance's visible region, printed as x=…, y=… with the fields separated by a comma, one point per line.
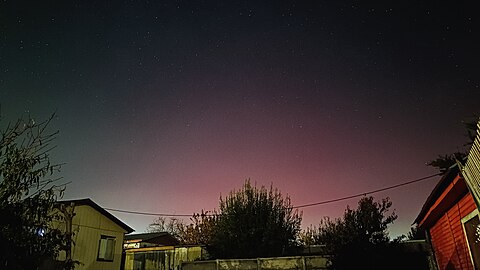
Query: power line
x=148, y=214
x=294, y=207
x=367, y=193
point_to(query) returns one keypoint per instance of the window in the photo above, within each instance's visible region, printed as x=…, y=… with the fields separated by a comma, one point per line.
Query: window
x=106, y=248
x=471, y=226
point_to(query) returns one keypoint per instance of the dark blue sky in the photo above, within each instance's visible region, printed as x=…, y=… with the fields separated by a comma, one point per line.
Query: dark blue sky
x=164, y=105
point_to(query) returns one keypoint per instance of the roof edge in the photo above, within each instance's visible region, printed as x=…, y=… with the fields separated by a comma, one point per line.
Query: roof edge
x=447, y=178
x=91, y=203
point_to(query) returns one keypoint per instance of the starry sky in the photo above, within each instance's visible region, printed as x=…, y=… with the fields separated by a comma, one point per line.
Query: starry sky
x=163, y=106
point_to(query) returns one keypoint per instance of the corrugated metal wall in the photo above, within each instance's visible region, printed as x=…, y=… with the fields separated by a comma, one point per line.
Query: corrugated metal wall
x=471, y=171
x=448, y=238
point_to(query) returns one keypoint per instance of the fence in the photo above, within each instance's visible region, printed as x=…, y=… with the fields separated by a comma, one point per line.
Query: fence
x=160, y=258
x=279, y=263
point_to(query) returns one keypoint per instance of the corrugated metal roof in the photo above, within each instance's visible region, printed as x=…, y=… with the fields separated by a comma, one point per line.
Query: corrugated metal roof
x=471, y=170
x=145, y=236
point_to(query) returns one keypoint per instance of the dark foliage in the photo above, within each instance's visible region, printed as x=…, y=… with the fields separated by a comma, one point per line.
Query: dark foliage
x=198, y=232
x=201, y=229
x=27, y=197
x=161, y=224
x=416, y=233
x=359, y=239
x=443, y=163
x=255, y=222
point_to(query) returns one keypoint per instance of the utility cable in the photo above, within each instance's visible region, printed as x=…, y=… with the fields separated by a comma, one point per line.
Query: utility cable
x=294, y=207
x=367, y=193
x=148, y=214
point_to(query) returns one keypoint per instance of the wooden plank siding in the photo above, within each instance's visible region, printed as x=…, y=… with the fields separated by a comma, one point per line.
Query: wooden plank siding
x=89, y=225
x=448, y=238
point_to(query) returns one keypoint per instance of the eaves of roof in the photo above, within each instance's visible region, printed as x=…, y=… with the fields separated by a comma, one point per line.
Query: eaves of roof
x=100, y=209
x=437, y=191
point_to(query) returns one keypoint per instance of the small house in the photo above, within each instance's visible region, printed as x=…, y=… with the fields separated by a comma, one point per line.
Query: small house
x=97, y=235
x=160, y=251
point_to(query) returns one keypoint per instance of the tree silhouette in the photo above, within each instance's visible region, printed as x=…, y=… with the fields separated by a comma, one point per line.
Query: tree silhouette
x=360, y=237
x=28, y=193
x=201, y=230
x=255, y=222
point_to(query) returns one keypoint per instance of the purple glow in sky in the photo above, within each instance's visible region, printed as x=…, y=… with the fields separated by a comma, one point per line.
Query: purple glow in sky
x=164, y=105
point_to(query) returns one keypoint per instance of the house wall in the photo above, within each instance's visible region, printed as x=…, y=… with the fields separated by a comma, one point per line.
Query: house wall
x=88, y=225
x=448, y=238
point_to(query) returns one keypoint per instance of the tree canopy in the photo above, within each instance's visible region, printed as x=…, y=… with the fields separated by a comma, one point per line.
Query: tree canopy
x=201, y=229
x=255, y=222
x=359, y=236
x=28, y=192
x=198, y=232
x=173, y=226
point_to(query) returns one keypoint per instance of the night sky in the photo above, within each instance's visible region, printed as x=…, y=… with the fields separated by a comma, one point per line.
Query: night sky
x=162, y=106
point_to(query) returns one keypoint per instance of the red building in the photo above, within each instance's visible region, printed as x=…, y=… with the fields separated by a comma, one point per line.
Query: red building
x=450, y=218
x=450, y=215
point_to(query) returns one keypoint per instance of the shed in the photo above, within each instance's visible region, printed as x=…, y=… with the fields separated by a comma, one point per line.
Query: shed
x=97, y=235
x=448, y=216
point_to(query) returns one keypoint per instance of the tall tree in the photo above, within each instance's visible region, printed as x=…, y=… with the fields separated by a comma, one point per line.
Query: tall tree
x=173, y=226
x=356, y=239
x=28, y=193
x=201, y=229
x=416, y=233
x=255, y=222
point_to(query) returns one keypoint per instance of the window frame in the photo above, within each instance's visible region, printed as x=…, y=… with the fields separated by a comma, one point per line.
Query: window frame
x=474, y=214
x=106, y=238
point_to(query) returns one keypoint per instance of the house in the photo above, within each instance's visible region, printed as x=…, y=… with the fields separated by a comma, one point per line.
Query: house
x=450, y=215
x=443, y=216
x=97, y=235
x=158, y=251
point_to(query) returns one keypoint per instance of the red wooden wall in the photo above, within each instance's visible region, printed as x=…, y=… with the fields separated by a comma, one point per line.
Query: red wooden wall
x=448, y=238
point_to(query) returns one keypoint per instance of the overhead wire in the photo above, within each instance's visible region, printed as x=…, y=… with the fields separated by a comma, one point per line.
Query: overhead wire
x=368, y=193
x=147, y=213
x=293, y=207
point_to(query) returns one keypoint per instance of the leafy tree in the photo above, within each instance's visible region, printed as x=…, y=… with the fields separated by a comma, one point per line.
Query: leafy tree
x=471, y=128
x=198, y=232
x=173, y=226
x=307, y=236
x=416, y=233
x=255, y=222
x=27, y=196
x=201, y=230
x=359, y=239
x=444, y=162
